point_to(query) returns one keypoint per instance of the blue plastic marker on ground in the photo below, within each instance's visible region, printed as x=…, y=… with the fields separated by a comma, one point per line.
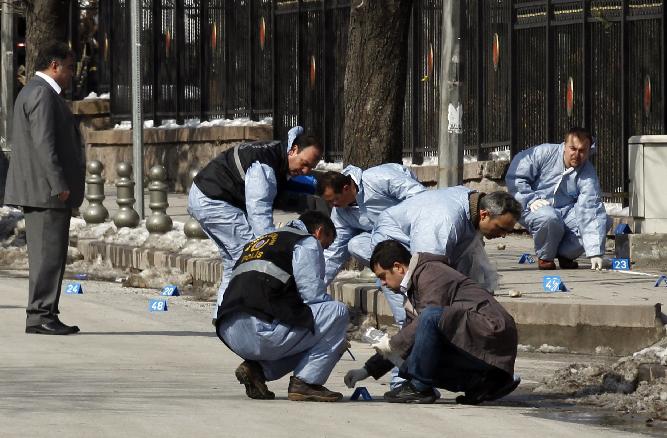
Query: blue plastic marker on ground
x=157, y=305
x=661, y=279
x=620, y=264
x=170, y=290
x=74, y=289
x=553, y=283
x=526, y=258
x=363, y=392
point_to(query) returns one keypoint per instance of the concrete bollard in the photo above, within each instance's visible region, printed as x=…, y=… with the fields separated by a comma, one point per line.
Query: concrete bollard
x=192, y=229
x=126, y=216
x=96, y=213
x=158, y=222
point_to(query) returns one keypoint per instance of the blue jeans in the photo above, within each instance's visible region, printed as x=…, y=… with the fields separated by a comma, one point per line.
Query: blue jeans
x=435, y=362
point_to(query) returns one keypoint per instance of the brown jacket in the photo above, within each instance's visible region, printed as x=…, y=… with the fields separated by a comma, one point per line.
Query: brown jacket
x=472, y=319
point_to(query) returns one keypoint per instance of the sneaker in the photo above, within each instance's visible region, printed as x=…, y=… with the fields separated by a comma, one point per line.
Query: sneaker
x=407, y=393
x=546, y=265
x=299, y=390
x=567, y=263
x=250, y=374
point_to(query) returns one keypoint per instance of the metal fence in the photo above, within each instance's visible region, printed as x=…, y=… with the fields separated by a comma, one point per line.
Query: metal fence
x=532, y=69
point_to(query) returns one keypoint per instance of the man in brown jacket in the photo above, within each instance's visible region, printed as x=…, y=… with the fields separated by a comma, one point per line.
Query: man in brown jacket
x=458, y=337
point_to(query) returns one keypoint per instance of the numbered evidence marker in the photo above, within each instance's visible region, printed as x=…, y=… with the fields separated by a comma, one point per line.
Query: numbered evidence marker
x=526, y=258
x=553, y=283
x=661, y=279
x=363, y=392
x=620, y=264
x=170, y=290
x=157, y=305
x=74, y=289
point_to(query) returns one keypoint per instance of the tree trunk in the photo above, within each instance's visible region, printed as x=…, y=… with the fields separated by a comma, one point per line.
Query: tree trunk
x=375, y=78
x=46, y=21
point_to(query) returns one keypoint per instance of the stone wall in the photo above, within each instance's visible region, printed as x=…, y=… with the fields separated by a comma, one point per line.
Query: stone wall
x=485, y=176
x=179, y=150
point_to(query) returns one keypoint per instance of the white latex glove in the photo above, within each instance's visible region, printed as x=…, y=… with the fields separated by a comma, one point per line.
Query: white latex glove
x=383, y=347
x=596, y=263
x=537, y=204
x=353, y=376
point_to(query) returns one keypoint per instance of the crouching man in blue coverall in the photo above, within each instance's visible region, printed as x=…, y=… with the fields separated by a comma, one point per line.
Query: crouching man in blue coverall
x=457, y=336
x=358, y=197
x=559, y=191
x=232, y=197
x=277, y=316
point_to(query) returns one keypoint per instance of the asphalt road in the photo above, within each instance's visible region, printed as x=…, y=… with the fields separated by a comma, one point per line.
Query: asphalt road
x=135, y=373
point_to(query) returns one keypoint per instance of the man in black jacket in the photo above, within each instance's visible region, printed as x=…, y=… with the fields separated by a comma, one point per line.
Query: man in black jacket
x=277, y=315
x=232, y=197
x=46, y=178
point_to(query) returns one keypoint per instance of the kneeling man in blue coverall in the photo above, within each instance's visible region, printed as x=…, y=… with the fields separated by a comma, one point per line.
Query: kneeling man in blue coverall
x=277, y=316
x=559, y=191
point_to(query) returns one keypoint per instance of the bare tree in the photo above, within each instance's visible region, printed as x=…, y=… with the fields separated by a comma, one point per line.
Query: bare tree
x=46, y=21
x=375, y=77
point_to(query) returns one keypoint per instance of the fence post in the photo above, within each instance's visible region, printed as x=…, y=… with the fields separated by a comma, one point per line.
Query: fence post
x=548, y=115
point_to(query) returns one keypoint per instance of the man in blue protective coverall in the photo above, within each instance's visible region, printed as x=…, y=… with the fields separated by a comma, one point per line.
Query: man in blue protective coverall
x=358, y=197
x=560, y=194
x=277, y=315
x=451, y=222
x=232, y=197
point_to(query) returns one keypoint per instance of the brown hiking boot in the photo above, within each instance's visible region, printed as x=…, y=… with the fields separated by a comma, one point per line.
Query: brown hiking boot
x=250, y=374
x=567, y=263
x=546, y=265
x=299, y=390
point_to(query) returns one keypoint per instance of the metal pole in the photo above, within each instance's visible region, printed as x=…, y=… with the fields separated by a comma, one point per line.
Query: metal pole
x=450, y=143
x=6, y=75
x=137, y=119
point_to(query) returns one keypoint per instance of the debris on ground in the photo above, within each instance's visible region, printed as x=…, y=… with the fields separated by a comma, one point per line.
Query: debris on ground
x=634, y=384
x=501, y=246
x=515, y=293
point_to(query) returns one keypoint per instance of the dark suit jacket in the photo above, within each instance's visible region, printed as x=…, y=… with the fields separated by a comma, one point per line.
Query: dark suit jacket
x=47, y=152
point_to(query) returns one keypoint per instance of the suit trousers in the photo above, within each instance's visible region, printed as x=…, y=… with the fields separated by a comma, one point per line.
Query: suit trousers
x=47, y=235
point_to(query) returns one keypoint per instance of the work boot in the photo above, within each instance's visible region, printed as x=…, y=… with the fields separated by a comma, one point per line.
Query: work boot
x=566, y=263
x=407, y=393
x=250, y=374
x=492, y=386
x=546, y=265
x=299, y=390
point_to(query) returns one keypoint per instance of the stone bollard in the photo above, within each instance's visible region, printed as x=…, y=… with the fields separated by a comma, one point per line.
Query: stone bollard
x=96, y=213
x=126, y=216
x=192, y=229
x=158, y=222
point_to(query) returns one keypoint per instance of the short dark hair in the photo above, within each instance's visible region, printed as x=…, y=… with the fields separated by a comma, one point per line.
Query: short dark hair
x=335, y=180
x=388, y=252
x=54, y=51
x=581, y=133
x=313, y=219
x=306, y=140
x=499, y=203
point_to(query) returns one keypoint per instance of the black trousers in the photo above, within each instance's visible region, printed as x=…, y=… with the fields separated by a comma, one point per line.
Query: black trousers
x=47, y=235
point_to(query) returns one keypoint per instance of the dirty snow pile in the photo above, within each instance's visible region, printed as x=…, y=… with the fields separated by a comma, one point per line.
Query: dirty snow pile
x=632, y=384
x=13, y=251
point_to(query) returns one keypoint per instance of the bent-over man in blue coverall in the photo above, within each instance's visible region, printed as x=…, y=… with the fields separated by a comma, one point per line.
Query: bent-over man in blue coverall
x=277, y=315
x=560, y=195
x=232, y=197
x=451, y=222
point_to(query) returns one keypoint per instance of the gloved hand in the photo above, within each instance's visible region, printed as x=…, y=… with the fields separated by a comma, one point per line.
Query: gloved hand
x=353, y=376
x=384, y=348
x=537, y=204
x=596, y=263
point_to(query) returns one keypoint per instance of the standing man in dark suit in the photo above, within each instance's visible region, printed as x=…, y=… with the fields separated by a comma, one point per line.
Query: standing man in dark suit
x=46, y=179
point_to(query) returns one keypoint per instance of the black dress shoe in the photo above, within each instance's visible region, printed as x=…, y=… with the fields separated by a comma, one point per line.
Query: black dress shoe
x=52, y=328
